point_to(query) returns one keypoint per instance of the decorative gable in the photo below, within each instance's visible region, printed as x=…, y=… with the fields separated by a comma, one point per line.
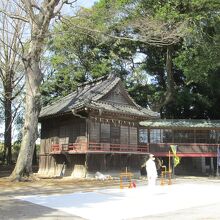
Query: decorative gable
x=118, y=95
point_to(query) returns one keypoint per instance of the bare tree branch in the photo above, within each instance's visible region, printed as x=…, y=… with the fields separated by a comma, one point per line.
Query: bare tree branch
x=11, y=22
x=57, y=12
x=15, y=111
x=17, y=80
x=29, y=6
x=17, y=93
x=14, y=16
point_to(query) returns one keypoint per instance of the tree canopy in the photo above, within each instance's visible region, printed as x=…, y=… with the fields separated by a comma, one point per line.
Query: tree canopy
x=167, y=52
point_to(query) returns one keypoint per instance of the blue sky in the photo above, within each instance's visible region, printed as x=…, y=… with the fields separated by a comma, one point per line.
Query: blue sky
x=86, y=3
x=68, y=10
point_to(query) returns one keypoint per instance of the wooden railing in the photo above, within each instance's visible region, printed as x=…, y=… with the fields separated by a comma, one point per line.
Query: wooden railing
x=130, y=148
x=98, y=147
x=159, y=149
x=71, y=147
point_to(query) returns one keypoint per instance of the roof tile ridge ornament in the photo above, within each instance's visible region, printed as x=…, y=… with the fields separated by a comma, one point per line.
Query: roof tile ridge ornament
x=94, y=81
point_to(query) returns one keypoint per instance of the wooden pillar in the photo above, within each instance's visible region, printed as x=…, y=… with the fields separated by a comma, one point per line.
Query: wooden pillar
x=148, y=137
x=87, y=132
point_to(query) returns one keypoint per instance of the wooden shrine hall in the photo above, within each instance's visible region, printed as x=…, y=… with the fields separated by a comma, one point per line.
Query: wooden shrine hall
x=99, y=127
x=95, y=128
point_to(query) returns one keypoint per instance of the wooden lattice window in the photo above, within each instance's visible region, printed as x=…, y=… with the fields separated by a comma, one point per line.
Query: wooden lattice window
x=155, y=136
x=115, y=134
x=105, y=133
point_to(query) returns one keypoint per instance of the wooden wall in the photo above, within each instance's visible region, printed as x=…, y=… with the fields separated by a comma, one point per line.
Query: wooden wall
x=50, y=165
x=67, y=129
x=62, y=165
x=61, y=130
x=194, y=135
x=104, y=133
x=94, y=131
x=100, y=132
x=124, y=137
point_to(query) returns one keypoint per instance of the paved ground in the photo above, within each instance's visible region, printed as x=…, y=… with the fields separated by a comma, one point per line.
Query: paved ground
x=187, y=198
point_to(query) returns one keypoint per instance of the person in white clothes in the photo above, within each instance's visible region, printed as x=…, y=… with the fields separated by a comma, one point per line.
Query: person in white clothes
x=151, y=170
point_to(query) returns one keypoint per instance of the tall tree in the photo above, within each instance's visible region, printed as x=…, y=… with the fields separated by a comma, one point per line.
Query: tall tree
x=174, y=26
x=38, y=16
x=10, y=74
x=120, y=29
x=77, y=56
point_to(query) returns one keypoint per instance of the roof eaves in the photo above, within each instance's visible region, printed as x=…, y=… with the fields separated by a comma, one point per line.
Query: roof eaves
x=119, y=108
x=182, y=123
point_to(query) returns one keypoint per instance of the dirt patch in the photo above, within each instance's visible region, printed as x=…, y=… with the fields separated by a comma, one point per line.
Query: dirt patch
x=57, y=182
x=50, y=185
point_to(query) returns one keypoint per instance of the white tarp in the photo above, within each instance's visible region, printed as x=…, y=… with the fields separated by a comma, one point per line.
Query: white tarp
x=117, y=204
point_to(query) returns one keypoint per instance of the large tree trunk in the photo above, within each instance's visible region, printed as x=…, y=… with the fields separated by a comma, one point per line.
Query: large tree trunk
x=39, y=17
x=8, y=121
x=170, y=79
x=8, y=117
x=169, y=94
x=32, y=110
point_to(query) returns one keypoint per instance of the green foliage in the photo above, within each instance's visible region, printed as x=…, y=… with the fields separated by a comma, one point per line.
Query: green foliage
x=15, y=150
x=78, y=55
x=83, y=48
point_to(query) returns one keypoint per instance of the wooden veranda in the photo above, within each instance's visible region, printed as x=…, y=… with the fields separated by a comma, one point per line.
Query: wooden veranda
x=74, y=148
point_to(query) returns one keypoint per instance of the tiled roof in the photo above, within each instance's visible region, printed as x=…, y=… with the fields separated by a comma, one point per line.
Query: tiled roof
x=89, y=95
x=181, y=123
x=119, y=108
